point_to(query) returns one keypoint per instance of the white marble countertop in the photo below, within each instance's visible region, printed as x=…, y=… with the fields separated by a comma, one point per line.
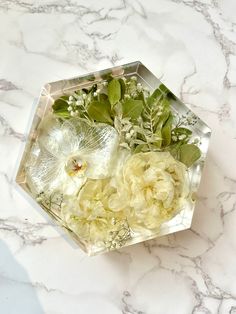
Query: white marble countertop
x=191, y=46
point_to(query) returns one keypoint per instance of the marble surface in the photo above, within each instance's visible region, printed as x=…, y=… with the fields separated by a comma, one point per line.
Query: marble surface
x=191, y=46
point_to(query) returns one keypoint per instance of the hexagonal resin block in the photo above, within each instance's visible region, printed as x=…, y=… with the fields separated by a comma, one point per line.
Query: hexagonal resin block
x=105, y=157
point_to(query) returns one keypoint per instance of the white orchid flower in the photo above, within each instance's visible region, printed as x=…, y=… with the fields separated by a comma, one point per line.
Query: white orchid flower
x=67, y=153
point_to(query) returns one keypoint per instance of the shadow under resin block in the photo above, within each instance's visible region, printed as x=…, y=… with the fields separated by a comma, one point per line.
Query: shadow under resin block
x=114, y=157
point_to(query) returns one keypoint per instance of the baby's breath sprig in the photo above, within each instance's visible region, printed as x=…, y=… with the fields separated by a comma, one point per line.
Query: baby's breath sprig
x=188, y=119
x=77, y=104
x=119, y=235
x=53, y=202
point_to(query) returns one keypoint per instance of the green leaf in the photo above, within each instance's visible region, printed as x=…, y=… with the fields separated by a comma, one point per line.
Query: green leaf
x=165, y=114
x=60, y=104
x=156, y=96
x=170, y=95
x=166, y=135
x=132, y=108
x=141, y=148
x=60, y=107
x=114, y=91
x=100, y=111
x=166, y=131
x=188, y=154
x=158, y=143
x=102, y=97
x=62, y=114
x=122, y=87
x=167, y=92
x=180, y=131
x=163, y=88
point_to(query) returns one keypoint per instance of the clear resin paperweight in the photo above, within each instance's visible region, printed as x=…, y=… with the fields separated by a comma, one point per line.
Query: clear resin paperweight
x=114, y=157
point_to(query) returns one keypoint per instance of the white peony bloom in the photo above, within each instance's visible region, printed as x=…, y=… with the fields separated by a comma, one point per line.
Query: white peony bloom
x=89, y=215
x=152, y=187
x=67, y=153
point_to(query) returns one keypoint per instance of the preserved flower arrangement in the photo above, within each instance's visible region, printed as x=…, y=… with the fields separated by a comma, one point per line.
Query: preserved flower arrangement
x=112, y=159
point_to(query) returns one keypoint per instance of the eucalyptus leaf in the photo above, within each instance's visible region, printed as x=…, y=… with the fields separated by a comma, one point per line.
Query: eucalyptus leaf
x=100, y=111
x=174, y=149
x=132, y=108
x=114, y=91
x=188, y=154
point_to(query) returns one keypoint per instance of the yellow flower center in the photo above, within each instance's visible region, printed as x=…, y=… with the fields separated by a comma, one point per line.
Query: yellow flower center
x=75, y=166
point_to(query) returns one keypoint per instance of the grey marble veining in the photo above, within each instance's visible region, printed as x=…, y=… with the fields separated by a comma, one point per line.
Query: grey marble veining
x=191, y=46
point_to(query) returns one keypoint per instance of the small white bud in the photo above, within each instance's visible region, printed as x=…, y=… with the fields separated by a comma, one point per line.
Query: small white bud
x=95, y=94
x=139, y=87
x=72, y=113
x=133, y=78
x=128, y=136
x=84, y=96
x=71, y=98
x=69, y=108
x=182, y=136
x=78, y=102
x=98, y=90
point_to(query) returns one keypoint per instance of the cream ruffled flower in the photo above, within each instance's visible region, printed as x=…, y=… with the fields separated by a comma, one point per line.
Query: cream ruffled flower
x=67, y=153
x=153, y=187
x=89, y=214
x=147, y=190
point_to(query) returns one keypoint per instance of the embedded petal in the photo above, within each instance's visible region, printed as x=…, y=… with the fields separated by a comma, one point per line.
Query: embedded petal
x=100, y=152
x=59, y=139
x=43, y=171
